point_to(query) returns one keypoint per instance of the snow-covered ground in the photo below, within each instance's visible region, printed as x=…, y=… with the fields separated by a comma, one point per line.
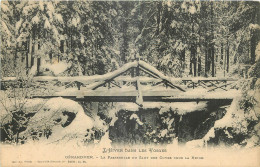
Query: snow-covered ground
x=54, y=115
x=235, y=118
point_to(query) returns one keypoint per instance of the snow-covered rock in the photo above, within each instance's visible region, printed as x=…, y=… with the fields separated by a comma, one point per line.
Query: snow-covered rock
x=63, y=118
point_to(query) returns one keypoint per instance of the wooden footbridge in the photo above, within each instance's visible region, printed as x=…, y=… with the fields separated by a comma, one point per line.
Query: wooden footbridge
x=138, y=82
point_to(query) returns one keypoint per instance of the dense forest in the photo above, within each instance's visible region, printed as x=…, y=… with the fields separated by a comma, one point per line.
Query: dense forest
x=190, y=38
x=182, y=39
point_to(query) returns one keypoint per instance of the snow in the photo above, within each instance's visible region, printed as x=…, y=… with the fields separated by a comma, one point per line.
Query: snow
x=58, y=103
x=100, y=124
x=33, y=105
x=226, y=121
x=113, y=116
x=192, y=10
x=118, y=71
x=4, y=7
x=5, y=116
x=56, y=68
x=6, y=106
x=41, y=5
x=210, y=134
x=105, y=142
x=254, y=26
x=5, y=28
x=139, y=99
x=35, y=19
x=164, y=132
x=94, y=85
x=50, y=6
x=152, y=69
x=75, y=21
x=174, y=24
x=58, y=17
x=201, y=93
x=133, y=116
x=82, y=39
x=169, y=4
x=195, y=144
x=78, y=126
x=136, y=118
x=181, y=108
x=56, y=34
x=200, y=143
x=84, y=79
x=170, y=123
x=97, y=80
x=127, y=106
x=134, y=79
x=257, y=52
x=47, y=24
x=252, y=142
x=53, y=110
x=236, y=118
x=33, y=70
x=163, y=110
x=28, y=8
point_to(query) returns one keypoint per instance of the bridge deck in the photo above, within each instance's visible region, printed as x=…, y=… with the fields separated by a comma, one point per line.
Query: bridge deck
x=148, y=96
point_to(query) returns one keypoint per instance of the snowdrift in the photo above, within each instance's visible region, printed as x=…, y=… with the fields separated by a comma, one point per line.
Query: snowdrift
x=235, y=122
x=59, y=120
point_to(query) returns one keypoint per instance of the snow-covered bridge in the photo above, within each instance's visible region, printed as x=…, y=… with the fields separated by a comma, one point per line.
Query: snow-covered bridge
x=138, y=81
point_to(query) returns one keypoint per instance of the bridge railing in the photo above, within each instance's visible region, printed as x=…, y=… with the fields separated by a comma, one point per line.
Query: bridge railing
x=211, y=84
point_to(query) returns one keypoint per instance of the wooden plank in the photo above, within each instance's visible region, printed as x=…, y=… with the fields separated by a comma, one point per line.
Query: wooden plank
x=130, y=96
x=112, y=78
x=133, y=99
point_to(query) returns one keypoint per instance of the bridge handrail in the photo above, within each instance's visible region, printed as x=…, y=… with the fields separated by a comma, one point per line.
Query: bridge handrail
x=96, y=78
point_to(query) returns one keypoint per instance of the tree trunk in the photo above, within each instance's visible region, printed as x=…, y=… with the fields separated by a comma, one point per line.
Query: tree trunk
x=222, y=55
x=62, y=46
x=29, y=57
x=159, y=7
x=71, y=42
x=125, y=42
x=199, y=66
x=255, y=33
x=253, y=46
x=15, y=55
x=206, y=62
x=32, y=53
x=183, y=59
x=222, y=51
x=194, y=60
x=211, y=42
x=38, y=65
x=17, y=137
x=212, y=61
x=225, y=64
x=50, y=56
x=190, y=65
x=227, y=58
x=79, y=68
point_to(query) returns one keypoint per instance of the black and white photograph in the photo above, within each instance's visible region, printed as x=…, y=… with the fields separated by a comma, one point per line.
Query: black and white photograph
x=130, y=83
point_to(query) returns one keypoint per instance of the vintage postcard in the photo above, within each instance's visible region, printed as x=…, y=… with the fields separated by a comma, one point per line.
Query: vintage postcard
x=129, y=83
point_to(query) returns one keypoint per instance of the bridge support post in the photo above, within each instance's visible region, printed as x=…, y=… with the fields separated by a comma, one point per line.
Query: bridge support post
x=94, y=108
x=137, y=75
